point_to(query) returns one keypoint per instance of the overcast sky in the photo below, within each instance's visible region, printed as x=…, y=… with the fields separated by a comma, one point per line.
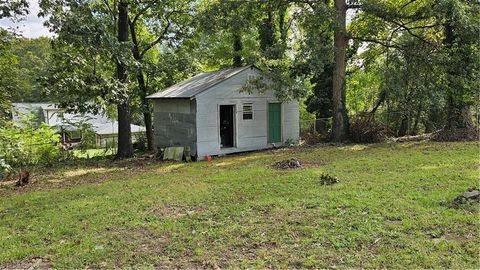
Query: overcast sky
x=31, y=26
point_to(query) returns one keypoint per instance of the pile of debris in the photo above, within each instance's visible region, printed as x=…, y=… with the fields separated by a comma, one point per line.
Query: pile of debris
x=326, y=179
x=292, y=163
x=452, y=135
x=472, y=195
x=416, y=138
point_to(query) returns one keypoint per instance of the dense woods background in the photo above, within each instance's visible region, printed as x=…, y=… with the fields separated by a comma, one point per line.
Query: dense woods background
x=384, y=67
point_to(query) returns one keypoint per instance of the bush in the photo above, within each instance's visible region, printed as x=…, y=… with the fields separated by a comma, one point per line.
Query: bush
x=29, y=144
x=365, y=129
x=5, y=169
x=140, y=143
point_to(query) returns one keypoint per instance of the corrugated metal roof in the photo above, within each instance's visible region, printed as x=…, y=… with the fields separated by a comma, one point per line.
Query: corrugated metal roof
x=56, y=117
x=112, y=129
x=25, y=107
x=199, y=83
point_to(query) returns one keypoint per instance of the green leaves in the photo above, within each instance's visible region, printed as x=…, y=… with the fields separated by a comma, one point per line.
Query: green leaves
x=29, y=143
x=13, y=8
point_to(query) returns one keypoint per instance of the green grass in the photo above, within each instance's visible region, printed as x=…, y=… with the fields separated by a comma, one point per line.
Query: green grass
x=390, y=209
x=89, y=153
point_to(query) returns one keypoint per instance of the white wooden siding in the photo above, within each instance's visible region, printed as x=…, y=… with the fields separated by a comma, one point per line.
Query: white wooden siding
x=250, y=134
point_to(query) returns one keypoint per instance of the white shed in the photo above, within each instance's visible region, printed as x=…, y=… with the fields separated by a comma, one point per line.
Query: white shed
x=212, y=116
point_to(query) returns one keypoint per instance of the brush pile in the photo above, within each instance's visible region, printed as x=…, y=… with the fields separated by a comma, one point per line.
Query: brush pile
x=326, y=180
x=292, y=163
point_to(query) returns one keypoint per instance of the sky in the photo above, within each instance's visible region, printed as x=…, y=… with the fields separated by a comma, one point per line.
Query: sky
x=31, y=26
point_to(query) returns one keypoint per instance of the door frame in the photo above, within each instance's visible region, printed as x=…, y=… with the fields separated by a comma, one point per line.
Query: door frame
x=234, y=125
x=281, y=119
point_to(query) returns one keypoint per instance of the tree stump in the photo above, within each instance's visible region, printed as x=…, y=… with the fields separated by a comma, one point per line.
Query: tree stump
x=23, y=178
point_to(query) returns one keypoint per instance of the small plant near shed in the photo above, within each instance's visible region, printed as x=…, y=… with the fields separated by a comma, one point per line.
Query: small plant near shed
x=326, y=180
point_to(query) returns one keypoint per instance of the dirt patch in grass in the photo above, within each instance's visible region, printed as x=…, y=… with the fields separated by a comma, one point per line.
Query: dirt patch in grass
x=176, y=211
x=149, y=243
x=452, y=237
x=78, y=175
x=31, y=264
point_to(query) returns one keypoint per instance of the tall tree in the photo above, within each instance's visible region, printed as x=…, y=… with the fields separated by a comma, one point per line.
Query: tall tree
x=340, y=117
x=152, y=24
x=8, y=9
x=9, y=75
x=229, y=23
x=92, y=55
x=460, y=23
x=125, y=148
x=315, y=58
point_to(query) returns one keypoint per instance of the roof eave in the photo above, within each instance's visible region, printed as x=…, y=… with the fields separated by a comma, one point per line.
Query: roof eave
x=150, y=97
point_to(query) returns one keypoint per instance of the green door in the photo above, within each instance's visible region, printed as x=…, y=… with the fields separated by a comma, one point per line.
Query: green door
x=274, y=122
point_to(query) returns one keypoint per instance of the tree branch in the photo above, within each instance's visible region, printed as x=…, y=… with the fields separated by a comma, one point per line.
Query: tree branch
x=385, y=43
x=142, y=11
x=409, y=30
x=354, y=6
x=158, y=39
x=133, y=34
x=408, y=3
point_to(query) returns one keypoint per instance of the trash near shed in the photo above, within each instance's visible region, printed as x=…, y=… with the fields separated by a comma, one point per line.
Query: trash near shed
x=209, y=114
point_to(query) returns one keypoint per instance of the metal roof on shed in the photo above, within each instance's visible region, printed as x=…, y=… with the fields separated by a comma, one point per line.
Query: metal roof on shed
x=199, y=83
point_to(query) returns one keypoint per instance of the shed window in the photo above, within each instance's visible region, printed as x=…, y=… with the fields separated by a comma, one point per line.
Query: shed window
x=247, y=111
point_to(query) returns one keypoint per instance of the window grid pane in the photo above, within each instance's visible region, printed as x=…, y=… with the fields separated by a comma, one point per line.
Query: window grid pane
x=247, y=112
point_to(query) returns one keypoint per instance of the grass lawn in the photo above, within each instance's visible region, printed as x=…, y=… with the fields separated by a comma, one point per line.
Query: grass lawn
x=89, y=153
x=390, y=209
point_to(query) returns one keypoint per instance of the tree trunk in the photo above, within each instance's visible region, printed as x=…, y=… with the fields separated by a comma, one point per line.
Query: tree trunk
x=340, y=117
x=403, y=128
x=458, y=112
x=125, y=149
x=415, y=130
x=147, y=115
x=267, y=32
x=237, y=48
x=282, y=25
x=459, y=115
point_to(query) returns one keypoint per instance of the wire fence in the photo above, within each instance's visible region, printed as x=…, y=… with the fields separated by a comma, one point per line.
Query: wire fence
x=320, y=126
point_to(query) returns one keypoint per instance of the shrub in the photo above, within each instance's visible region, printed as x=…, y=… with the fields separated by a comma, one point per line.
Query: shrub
x=365, y=129
x=140, y=143
x=29, y=144
x=4, y=168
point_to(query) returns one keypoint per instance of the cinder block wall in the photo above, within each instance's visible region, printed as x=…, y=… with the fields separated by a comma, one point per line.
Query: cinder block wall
x=175, y=124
